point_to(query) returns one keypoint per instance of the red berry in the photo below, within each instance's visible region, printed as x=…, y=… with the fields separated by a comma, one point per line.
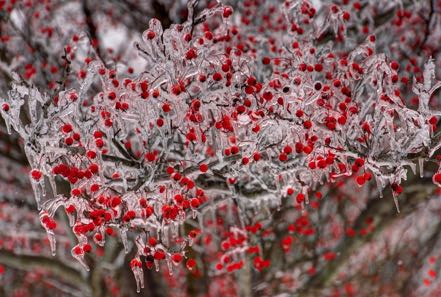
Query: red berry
x=36, y=174
x=360, y=180
x=191, y=54
x=437, y=178
x=176, y=257
x=87, y=248
x=398, y=189
x=227, y=12
x=151, y=34
x=203, y=167
x=359, y=162
x=190, y=264
x=234, y=150
x=217, y=76
x=195, y=202
x=76, y=192
x=93, y=168
x=68, y=141
x=283, y=157
x=94, y=187
x=115, y=201
x=307, y=124
x=77, y=250
x=159, y=255
x=97, y=134
x=433, y=120
x=256, y=156
x=111, y=96
x=70, y=209
x=318, y=67
x=153, y=241
x=91, y=154
x=160, y=122
x=394, y=65
x=266, y=60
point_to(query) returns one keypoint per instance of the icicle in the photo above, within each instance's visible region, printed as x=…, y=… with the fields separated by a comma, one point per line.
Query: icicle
x=396, y=202
x=174, y=229
x=138, y=273
x=91, y=70
x=263, y=205
x=52, y=242
x=201, y=221
x=306, y=197
x=8, y=124
x=53, y=184
x=169, y=266
x=124, y=182
x=380, y=185
x=71, y=218
x=137, y=279
x=421, y=166
x=49, y=224
x=140, y=279
x=51, y=206
x=37, y=193
x=79, y=256
x=159, y=233
x=123, y=232
x=165, y=236
x=43, y=188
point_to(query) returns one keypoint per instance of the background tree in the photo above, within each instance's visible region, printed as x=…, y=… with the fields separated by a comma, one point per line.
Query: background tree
x=239, y=148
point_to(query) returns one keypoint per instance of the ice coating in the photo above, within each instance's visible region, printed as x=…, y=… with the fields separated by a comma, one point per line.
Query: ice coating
x=194, y=105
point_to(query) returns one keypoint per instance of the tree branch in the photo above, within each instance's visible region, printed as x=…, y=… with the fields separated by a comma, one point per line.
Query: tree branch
x=57, y=268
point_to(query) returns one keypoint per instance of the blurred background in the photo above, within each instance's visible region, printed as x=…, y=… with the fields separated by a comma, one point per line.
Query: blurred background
x=353, y=244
